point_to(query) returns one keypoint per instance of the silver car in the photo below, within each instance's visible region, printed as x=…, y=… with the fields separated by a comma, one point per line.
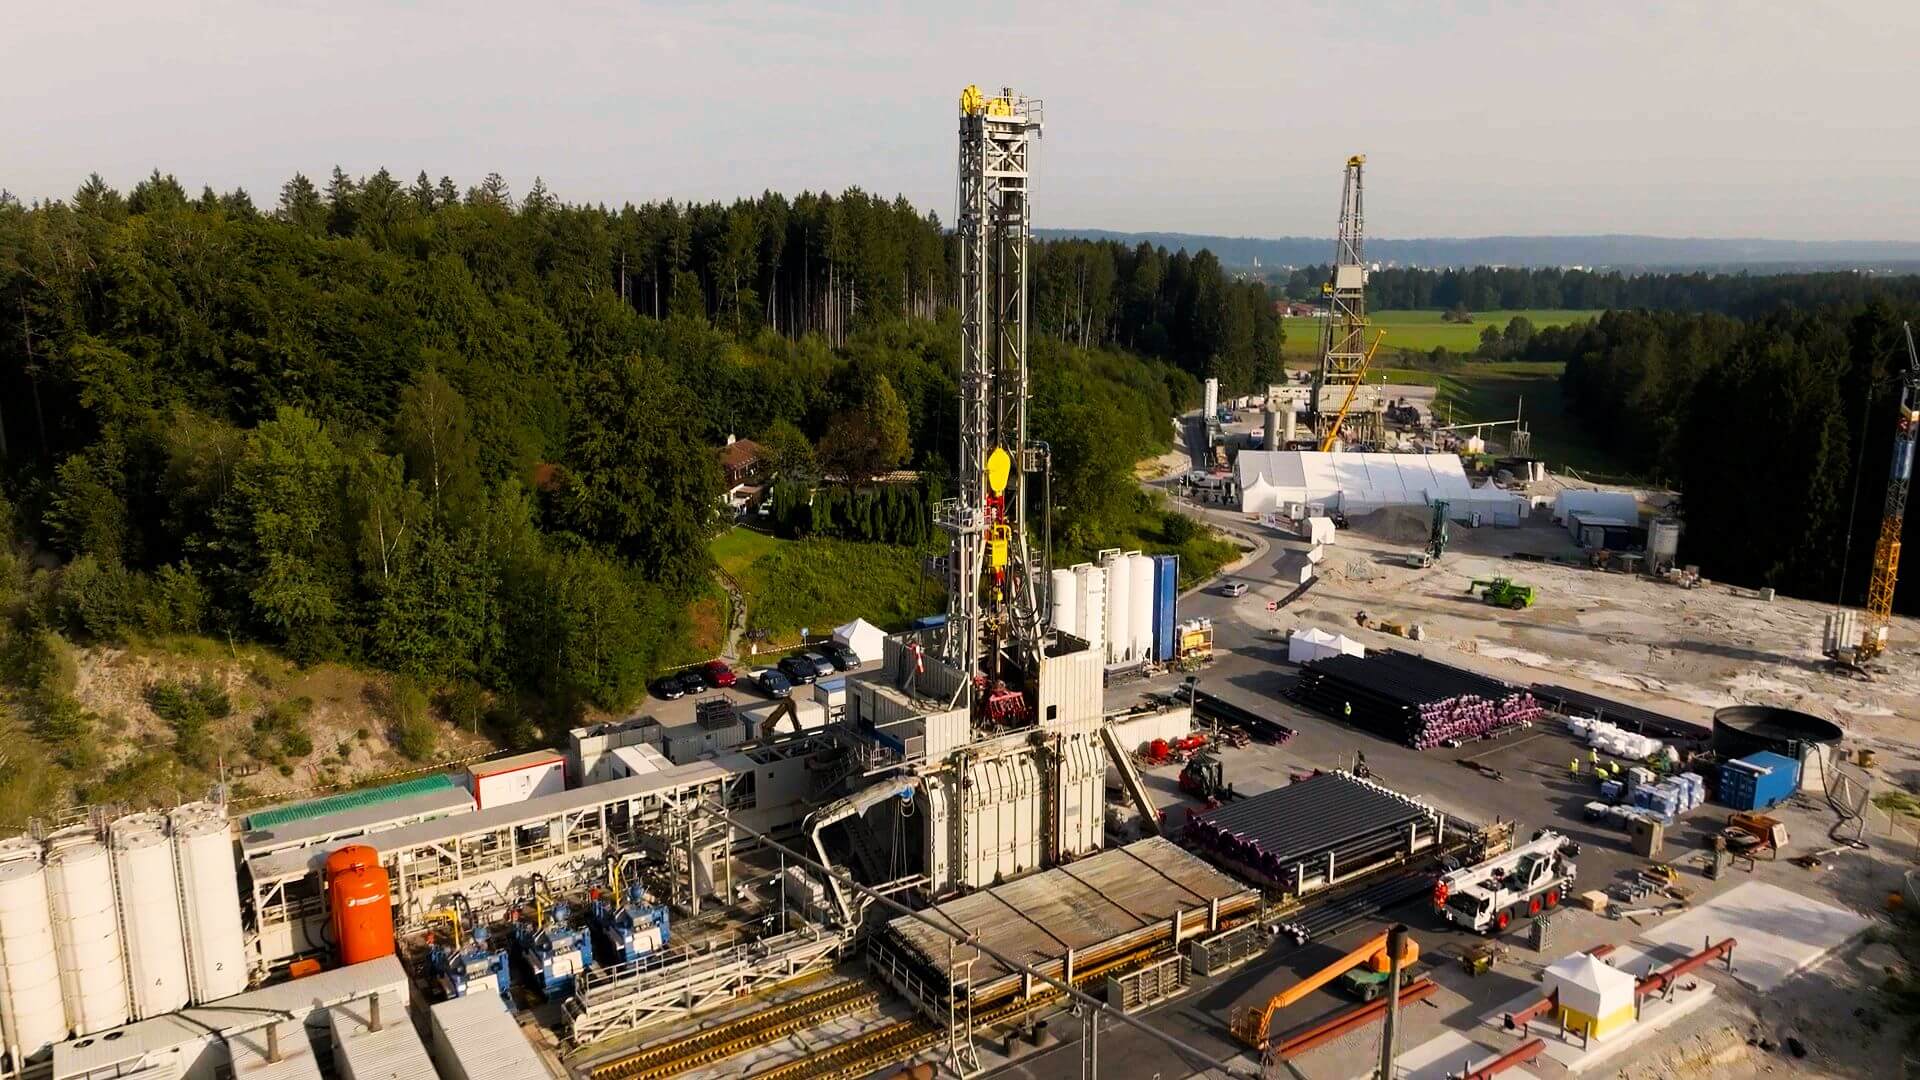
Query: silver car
x=1234, y=588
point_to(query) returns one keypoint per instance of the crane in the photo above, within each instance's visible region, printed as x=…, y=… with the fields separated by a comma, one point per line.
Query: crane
x=1254, y=1027
x=1333, y=429
x=1886, y=551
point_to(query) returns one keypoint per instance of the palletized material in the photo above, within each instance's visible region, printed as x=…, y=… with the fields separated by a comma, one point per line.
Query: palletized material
x=475, y=1038
x=1316, y=832
x=1411, y=699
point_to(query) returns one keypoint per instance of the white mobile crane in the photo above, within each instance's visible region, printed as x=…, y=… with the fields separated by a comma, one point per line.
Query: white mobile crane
x=1487, y=897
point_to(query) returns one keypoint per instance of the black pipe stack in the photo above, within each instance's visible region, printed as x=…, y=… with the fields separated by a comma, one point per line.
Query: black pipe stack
x=1413, y=700
x=1279, y=833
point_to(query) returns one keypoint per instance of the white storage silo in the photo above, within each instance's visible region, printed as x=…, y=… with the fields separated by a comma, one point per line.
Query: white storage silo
x=1663, y=544
x=86, y=934
x=156, y=946
x=1090, y=604
x=210, y=907
x=29, y=970
x=1119, y=610
x=1060, y=585
x=1140, y=567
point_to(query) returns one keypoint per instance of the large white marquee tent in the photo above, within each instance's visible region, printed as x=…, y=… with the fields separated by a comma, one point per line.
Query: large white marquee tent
x=1354, y=484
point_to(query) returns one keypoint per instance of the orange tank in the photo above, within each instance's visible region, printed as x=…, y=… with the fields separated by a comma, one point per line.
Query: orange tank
x=361, y=904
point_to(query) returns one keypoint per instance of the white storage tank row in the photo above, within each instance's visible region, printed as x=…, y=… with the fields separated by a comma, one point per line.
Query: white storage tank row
x=1110, y=605
x=94, y=936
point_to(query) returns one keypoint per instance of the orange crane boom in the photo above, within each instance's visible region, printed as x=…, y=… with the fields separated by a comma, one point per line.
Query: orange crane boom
x=1886, y=550
x=1255, y=1025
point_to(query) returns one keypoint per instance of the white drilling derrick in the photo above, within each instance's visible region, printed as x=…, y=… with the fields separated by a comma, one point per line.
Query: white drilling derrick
x=992, y=604
x=1343, y=348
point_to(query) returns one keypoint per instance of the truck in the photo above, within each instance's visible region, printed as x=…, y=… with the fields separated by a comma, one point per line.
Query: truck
x=1503, y=592
x=1489, y=896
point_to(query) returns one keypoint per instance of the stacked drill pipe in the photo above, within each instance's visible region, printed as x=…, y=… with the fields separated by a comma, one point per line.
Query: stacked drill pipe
x=1315, y=832
x=1413, y=700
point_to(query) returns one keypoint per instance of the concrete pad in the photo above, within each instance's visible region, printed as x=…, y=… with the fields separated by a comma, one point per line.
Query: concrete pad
x=1568, y=1049
x=1439, y=1057
x=1779, y=932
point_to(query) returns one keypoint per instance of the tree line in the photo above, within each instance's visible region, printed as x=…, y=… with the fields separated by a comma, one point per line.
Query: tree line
x=453, y=434
x=1777, y=430
x=1486, y=288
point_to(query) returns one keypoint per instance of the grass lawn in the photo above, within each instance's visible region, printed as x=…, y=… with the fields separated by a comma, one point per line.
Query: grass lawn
x=1423, y=331
x=819, y=584
x=1493, y=391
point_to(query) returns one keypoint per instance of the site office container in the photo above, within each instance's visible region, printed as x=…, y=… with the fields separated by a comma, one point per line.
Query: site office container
x=518, y=778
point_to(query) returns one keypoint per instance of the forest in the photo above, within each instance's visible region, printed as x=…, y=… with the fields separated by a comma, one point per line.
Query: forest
x=1777, y=430
x=471, y=439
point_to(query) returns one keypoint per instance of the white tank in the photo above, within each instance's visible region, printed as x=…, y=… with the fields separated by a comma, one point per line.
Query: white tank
x=209, y=907
x=1141, y=568
x=1090, y=604
x=1663, y=543
x=29, y=970
x=86, y=934
x=150, y=915
x=1060, y=585
x=1119, y=611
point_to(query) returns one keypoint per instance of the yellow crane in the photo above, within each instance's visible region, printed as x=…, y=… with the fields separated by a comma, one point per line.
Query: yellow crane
x=1333, y=432
x=1886, y=551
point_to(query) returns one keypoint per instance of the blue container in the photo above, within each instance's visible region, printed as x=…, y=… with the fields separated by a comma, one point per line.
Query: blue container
x=1166, y=591
x=1611, y=789
x=1758, y=781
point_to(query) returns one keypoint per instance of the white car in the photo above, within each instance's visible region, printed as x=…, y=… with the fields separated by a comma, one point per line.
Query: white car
x=1234, y=588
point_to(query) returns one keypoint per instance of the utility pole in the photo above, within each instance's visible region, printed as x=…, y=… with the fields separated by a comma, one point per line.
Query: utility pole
x=1396, y=944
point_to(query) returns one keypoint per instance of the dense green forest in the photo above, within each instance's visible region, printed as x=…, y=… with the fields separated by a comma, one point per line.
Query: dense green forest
x=471, y=439
x=1486, y=288
x=1778, y=431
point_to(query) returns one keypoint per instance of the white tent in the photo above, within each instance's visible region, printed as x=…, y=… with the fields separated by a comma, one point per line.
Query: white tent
x=865, y=639
x=1360, y=483
x=1314, y=643
x=1588, y=986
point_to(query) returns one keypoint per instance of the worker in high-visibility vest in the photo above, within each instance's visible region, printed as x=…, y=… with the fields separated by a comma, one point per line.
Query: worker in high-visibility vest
x=1573, y=768
x=1347, y=709
x=1593, y=757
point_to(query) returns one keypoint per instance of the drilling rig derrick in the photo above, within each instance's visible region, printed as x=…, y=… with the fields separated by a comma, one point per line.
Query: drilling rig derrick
x=993, y=607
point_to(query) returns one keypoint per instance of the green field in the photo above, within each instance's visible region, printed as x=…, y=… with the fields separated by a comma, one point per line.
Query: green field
x=1493, y=391
x=1423, y=331
x=819, y=584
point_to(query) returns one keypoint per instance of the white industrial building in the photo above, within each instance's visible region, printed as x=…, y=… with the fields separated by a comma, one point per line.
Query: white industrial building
x=1314, y=483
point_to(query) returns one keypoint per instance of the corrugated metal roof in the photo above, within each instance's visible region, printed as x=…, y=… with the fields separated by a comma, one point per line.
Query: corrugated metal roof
x=497, y=766
x=349, y=800
x=483, y=1041
x=395, y=1052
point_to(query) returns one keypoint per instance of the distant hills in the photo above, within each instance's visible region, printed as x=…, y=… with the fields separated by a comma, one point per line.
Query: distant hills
x=1611, y=252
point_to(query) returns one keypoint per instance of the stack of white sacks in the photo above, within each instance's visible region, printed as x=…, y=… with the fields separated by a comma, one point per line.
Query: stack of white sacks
x=1613, y=741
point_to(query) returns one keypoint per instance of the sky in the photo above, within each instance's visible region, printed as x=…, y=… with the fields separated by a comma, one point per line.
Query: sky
x=1752, y=118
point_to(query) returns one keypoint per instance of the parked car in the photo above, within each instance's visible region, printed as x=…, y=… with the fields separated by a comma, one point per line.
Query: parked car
x=799, y=669
x=843, y=658
x=772, y=683
x=695, y=680
x=718, y=673
x=822, y=665
x=1234, y=588
x=669, y=687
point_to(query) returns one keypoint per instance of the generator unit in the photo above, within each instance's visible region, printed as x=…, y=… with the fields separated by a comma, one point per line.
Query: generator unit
x=630, y=928
x=462, y=969
x=553, y=951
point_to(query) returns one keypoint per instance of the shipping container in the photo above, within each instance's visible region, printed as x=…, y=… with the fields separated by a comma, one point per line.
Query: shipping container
x=517, y=778
x=1166, y=592
x=367, y=1046
x=1758, y=781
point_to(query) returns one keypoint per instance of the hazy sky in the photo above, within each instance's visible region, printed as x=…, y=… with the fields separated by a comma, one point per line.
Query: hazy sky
x=1724, y=118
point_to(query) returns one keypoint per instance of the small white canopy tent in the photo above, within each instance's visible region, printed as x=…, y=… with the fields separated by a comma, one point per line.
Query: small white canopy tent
x=1588, y=986
x=1314, y=643
x=865, y=639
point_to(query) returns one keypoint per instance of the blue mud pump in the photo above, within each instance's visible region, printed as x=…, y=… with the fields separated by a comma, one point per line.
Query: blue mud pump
x=461, y=969
x=629, y=930
x=555, y=952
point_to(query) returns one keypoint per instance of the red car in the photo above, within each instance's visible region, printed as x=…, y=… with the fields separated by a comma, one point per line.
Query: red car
x=718, y=673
